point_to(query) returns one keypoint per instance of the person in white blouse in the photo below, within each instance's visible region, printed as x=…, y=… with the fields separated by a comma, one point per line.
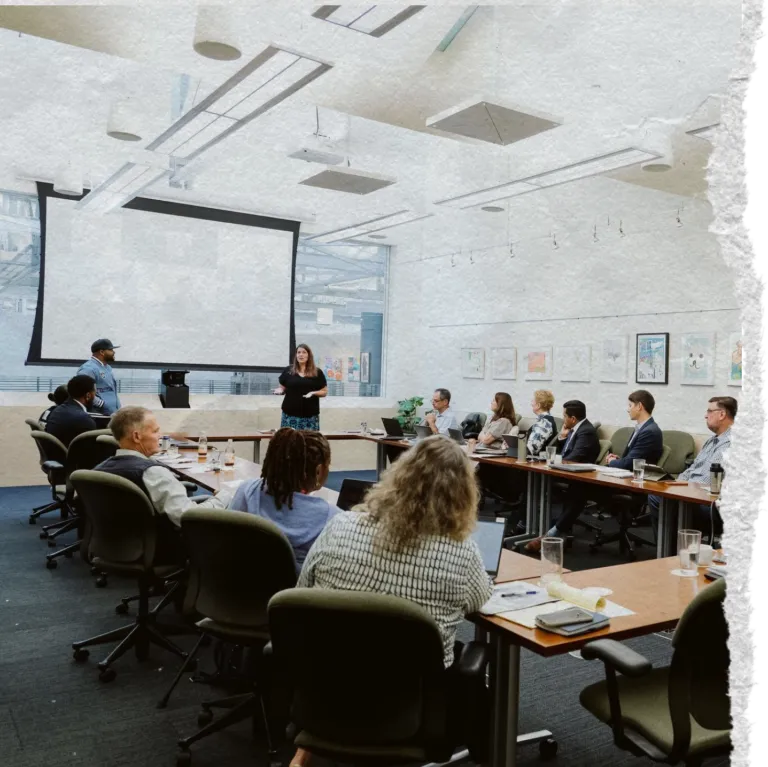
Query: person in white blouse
x=138, y=433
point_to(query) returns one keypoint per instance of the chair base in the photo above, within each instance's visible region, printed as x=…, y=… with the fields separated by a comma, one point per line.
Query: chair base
x=628, y=541
x=67, y=551
x=40, y=510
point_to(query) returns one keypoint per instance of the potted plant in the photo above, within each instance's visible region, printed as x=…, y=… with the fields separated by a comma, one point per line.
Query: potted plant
x=407, y=413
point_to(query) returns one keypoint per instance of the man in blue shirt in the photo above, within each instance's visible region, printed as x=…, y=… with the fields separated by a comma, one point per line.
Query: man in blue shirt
x=97, y=367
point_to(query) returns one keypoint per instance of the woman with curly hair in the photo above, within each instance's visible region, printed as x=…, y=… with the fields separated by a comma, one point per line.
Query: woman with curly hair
x=410, y=538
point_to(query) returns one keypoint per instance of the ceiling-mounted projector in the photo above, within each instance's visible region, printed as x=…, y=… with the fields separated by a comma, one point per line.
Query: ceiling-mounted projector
x=318, y=156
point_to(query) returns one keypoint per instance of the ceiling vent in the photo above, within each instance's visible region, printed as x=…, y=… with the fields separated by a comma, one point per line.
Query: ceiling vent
x=348, y=180
x=495, y=124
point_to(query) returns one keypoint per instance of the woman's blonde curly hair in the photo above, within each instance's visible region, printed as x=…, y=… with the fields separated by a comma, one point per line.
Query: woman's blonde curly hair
x=431, y=490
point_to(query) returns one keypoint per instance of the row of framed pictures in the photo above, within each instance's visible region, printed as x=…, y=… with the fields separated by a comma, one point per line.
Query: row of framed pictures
x=574, y=363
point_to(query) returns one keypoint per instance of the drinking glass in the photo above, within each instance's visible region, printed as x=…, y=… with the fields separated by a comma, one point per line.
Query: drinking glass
x=215, y=457
x=173, y=450
x=551, y=560
x=364, y=427
x=165, y=443
x=551, y=453
x=638, y=469
x=688, y=546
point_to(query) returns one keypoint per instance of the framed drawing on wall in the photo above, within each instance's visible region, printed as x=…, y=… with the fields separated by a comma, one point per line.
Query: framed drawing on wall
x=537, y=363
x=573, y=363
x=613, y=360
x=365, y=367
x=734, y=359
x=504, y=363
x=652, y=358
x=697, y=355
x=473, y=363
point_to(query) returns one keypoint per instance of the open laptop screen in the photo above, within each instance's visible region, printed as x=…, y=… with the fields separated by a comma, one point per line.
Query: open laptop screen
x=489, y=537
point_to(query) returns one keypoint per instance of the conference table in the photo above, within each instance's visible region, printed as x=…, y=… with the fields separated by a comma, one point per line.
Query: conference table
x=674, y=500
x=649, y=589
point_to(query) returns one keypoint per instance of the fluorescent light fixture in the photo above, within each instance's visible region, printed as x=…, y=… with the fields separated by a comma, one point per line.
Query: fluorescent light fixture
x=373, y=20
x=120, y=187
x=579, y=170
x=707, y=133
x=368, y=227
x=265, y=81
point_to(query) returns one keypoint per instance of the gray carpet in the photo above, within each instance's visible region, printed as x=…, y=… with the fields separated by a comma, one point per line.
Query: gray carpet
x=54, y=711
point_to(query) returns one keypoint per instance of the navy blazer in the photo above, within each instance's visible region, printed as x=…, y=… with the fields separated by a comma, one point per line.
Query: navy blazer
x=68, y=420
x=584, y=446
x=648, y=443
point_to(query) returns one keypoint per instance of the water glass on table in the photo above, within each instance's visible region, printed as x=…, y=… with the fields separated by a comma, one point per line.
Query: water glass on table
x=551, y=453
x=215, y=459
x=173, y=450
x=638, y=469
x=551, y=561
x=688, y=547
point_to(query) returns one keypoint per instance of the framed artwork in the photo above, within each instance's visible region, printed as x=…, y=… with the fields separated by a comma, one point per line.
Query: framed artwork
x=734, y=361
x=473, y=363
x=353, y=370
x=573, y=363
x=614, y=356
x=504, y=363
x=698, y=359
x=652, y=358
x=537, y=363
x=365, y=367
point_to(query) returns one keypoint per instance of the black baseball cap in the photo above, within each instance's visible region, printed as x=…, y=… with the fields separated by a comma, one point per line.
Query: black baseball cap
x=103, y=344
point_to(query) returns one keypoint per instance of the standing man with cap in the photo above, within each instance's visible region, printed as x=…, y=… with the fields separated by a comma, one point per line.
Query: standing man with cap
x=97, y=367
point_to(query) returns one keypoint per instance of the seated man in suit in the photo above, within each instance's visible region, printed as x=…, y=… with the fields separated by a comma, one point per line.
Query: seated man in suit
x=578, y=443
x=720, y=415
x=71, y=418
x=138, y=433
x=647, y=441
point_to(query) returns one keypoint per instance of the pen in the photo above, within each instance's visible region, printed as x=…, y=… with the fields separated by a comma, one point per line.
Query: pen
x=518, y=594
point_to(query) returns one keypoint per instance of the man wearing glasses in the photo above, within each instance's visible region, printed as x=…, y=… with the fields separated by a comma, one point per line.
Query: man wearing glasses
x=442, y=418
x=721, y=413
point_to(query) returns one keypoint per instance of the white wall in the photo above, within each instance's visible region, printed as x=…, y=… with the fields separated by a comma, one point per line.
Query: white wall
x=658, y=277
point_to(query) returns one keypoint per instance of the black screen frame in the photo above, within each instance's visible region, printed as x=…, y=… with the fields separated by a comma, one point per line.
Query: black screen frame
x=183, y=210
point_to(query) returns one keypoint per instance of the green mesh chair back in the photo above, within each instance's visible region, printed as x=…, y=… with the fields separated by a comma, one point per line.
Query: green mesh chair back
x=620, y=438
x=86, y=451
x=33, y=424
x=237, y=563
x=366, y=669
x=666, y=451
x=682, y=448
x=50, y=448
x=605, y=446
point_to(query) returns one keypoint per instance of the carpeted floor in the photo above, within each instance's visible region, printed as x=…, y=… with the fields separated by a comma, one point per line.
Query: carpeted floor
x=55, y=712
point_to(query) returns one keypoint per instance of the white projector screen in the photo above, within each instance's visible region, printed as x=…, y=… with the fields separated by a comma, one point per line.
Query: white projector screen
x=170, y=290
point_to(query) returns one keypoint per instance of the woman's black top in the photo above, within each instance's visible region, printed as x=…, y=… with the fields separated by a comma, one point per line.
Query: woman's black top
x=296, y=387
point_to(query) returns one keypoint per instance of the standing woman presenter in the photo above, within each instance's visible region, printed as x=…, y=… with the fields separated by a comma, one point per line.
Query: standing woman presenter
x=302, y=383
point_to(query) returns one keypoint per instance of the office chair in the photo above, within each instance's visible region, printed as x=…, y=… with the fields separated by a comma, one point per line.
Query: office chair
x=125, y=539
x=681, y=450
x=678, y=713
x=368, y=681
x=33, y=424
x=237, y=562
x=472, y=425
x=53, y=455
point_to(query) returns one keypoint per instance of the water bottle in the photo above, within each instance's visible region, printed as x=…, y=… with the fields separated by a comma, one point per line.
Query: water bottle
x=165, y=444
x=202, y=445
x=229, y=453
x=716, y=475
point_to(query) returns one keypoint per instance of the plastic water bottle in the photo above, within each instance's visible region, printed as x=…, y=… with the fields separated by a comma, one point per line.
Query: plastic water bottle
x=202, y=445
x=229, y=453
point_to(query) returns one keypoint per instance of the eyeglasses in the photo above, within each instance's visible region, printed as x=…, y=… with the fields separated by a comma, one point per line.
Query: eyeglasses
x=715, y=410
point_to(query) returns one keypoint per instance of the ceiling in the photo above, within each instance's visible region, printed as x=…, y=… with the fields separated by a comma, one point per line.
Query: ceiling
x=602, y=70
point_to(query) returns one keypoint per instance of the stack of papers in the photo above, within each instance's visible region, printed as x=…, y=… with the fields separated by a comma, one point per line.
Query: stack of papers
x=518, y=596
x=611, y=472
x=715, y=572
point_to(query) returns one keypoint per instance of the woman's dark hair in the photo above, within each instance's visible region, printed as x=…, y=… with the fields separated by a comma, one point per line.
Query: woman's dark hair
x=504, y=407
x=60, y=395
x=291, y=463
x=310, y=370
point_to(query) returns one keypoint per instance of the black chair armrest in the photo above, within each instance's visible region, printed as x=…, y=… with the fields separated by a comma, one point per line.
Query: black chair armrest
x=473, y=660
x=617, y=656
x=52, y=466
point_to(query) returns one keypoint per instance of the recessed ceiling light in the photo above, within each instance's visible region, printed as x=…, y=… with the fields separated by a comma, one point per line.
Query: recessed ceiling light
x=492, y=209
x=378, y=236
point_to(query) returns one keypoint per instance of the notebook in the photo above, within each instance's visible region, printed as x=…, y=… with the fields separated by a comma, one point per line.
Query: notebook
x=489, y=537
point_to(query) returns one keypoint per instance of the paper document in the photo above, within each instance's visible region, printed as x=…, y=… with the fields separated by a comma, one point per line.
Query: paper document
x=527, y=617
x=611, y=472
x=517, y=595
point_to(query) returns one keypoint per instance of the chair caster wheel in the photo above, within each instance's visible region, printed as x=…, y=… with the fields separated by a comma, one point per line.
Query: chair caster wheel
x=101, y=582
x=190, y=664
x=204, y=718
x=107, y=675
x=95, y=570
x=32, y=521
x=184, y=759
x=548, y=749
x=42, y=535
x=51, y=564
x=51, y=543
x=81, y=654
x=122, y=609
x=67, y=555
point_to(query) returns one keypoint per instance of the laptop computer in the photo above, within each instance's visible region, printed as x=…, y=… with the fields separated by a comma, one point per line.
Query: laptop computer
x=352, y=492
x=392, y=429
x=422, y=432
x=457, y=436
x=489, y=537
x=511, y=441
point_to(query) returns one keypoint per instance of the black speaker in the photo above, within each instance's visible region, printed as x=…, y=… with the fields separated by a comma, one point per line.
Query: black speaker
x=173, y=391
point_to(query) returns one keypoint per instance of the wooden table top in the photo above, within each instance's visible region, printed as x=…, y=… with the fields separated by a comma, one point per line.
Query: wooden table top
x=258, y=435
x=518, y=567
x=648, y=588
